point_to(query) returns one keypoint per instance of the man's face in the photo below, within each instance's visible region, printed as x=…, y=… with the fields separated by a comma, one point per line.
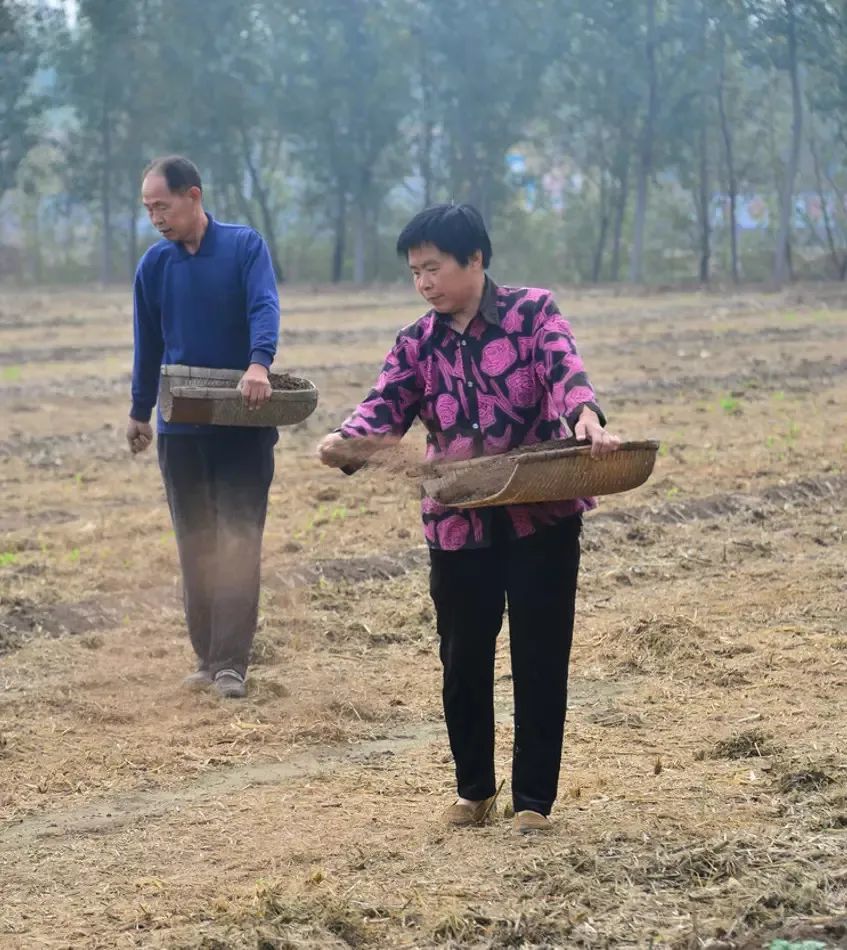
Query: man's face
x=441, y=280
x=172, y=214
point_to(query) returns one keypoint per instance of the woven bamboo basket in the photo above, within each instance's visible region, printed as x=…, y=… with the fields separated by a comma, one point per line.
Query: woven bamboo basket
x=202, y=396
x=549, y=471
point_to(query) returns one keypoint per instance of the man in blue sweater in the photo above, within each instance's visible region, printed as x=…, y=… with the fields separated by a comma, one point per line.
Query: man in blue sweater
x=206, y=295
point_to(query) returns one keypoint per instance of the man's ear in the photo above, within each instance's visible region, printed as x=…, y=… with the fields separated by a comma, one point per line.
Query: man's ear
x=194, y=193
x=475, y=260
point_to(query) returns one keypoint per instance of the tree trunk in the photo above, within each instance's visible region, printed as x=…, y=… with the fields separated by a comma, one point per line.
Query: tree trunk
x=363, y=201
x=703, y=210
x=106, y=194
x=132, y=234
x=600, y=246
x=830, y=237
x=484, y=202
x=33, y=233
x=620, y=212
x=340, y=233
x=373, y=241
x=636, y=264
x=841, y=200
x=781, y=259
x=426, y=140
x=703, y=191
x=426, y=163
x=268, y=228
x=359, y=242
x=636, y=260
x=232, y=171
x=132, y=209
x=243, y=206
x=472, y=169
x=732, y=179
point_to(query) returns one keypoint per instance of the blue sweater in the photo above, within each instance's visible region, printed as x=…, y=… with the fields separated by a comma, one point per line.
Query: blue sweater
x=217, y=308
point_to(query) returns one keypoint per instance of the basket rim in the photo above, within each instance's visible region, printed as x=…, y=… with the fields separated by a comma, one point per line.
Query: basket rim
x=208, y=392
x=519, y=455
x=180, y=375
x=508, y=467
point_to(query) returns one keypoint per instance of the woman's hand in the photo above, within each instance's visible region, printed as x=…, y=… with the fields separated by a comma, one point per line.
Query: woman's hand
x=331, y=450
x=588, y=429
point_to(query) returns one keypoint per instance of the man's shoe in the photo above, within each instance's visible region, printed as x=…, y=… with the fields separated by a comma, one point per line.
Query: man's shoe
x=526, y=822
x=460, y=815
x=201, y=679
x=230, y=684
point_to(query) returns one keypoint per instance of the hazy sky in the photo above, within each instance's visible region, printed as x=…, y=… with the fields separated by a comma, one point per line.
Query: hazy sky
x=69, y=5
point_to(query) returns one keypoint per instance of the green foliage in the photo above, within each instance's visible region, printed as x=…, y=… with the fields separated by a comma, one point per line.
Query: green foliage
x=326, y=124
x=22, y=103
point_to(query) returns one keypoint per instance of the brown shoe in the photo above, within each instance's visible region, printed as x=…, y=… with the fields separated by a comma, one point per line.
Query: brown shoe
x=526, y=822
x=459, y=815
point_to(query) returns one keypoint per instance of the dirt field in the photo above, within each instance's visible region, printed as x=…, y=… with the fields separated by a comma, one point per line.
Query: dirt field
x=703, y=798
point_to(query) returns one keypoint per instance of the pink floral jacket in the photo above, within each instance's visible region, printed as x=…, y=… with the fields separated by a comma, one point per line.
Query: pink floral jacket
x=513, y=378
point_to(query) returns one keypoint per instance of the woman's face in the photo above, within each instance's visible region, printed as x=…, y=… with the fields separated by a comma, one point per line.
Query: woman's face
x=442, y=281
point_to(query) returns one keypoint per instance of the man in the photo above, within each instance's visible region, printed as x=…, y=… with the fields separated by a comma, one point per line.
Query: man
x=206, y=295
x=488, y=369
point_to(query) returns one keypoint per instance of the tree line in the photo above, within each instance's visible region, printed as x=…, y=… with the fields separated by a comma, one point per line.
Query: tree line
x=603, y=140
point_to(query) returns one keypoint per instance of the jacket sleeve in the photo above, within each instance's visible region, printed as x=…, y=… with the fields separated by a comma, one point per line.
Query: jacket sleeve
x=392, y=405
x=560, y=367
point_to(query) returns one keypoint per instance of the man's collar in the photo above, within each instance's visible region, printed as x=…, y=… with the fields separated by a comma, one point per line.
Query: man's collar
x=207, y=244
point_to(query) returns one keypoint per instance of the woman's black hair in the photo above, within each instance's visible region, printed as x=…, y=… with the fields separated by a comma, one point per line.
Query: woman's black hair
x=454, y=229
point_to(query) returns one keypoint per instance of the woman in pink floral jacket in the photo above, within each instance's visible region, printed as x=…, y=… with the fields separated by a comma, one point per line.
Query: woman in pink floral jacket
x=488, y=369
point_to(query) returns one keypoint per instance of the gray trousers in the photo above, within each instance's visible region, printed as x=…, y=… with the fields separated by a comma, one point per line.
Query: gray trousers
x=217, y=486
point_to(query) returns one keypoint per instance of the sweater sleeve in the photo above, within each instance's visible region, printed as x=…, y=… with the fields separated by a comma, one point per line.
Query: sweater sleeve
x=262, y=300
x=149, y=347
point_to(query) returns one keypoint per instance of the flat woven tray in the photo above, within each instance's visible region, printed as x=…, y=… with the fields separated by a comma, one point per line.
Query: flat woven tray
x=202, y=396
x=549, y=471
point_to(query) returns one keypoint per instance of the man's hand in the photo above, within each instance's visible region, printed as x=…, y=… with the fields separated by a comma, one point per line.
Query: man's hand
x=139, y=435
x=254, y=386
x=588, y=429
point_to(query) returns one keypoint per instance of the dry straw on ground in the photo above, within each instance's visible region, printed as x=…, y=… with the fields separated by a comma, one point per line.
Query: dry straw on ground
x=703, y=795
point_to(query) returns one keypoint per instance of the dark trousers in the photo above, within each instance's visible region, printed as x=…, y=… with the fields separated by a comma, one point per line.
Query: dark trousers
x=537, y=576
x=217, y=486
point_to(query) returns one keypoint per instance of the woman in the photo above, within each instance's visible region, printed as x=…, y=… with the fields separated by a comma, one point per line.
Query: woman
x=488, y=369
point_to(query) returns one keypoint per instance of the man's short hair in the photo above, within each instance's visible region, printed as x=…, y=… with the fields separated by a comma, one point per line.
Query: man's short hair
x=454, y=229
x=179, y=172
